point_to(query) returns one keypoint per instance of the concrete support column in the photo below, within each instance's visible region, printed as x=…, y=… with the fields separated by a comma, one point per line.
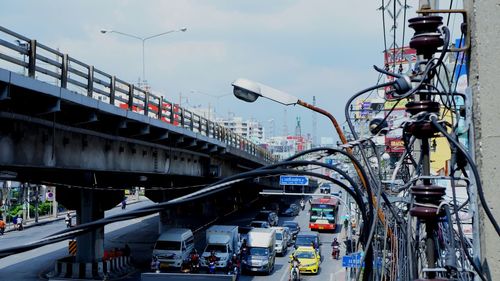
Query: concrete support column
x=90, y=245
x=165, y=221
x=483, y=80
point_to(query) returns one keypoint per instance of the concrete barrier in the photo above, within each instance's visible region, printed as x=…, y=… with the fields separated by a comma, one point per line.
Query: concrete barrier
x=185, y=276
x=68, y=268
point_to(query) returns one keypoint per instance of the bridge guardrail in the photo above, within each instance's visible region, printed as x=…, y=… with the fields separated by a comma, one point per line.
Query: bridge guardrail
x=42, y=62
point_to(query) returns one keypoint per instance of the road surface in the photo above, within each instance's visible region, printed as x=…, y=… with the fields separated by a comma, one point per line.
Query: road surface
x=140, y=234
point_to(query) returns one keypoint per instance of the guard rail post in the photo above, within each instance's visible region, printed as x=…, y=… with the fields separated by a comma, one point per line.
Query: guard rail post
x=32, y=59
x=90, y=81
x=64, y=71
x=130, y=96
x=112, y=87
x=146, y=102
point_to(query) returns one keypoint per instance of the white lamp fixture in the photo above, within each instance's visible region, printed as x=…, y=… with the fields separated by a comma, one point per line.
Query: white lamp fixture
x=250, y=91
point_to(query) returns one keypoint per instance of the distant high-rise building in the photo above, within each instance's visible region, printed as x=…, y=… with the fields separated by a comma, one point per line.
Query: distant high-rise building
x=249, y=129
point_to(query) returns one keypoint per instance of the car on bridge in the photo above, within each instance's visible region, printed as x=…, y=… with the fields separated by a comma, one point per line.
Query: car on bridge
x=325, y=188
x=259, y=224
x=269, y=216
x=291, y=211
x=309, y=259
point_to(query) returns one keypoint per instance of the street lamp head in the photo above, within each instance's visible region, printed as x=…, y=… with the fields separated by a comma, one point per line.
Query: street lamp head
x=184, y=29
x=250, y=91
x=246, y=90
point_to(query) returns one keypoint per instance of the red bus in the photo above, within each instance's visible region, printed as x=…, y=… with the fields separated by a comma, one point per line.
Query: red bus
x=323, y=213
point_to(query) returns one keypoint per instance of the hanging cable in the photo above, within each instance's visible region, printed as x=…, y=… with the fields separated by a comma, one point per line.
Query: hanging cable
x=474, y=171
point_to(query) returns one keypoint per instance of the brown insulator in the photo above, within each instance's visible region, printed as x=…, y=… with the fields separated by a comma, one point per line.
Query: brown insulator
x=427, y=195
x=427, y=38
x=415, y=107
x=421, y=130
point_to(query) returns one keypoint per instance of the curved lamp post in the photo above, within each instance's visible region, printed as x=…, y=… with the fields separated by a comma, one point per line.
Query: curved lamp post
x=250, y=91
x=143, y=39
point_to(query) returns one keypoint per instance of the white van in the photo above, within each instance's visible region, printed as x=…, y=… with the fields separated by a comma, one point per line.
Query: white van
x=173, y=246
x=282, y=239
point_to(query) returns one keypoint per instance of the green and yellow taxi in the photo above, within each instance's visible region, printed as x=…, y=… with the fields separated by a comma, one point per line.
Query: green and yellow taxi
x=308, y=258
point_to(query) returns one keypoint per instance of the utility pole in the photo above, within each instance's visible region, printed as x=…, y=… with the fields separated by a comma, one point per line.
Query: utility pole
x=54, y=202
x=484, y=66
x=285, y=123
x=37, y=197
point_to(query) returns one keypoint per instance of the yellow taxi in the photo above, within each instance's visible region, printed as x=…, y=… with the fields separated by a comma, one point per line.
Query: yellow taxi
x=308, y=258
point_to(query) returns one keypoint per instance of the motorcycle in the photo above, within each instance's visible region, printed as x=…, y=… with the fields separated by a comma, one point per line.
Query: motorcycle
x=294, y=271
x=211, y=267
x=336, y=252
x=234, y=269
x=195, y=265
x=186, y=266
x=302, y=205
x=155, y=265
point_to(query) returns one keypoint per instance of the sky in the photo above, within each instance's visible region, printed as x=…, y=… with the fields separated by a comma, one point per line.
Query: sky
x=307, y=48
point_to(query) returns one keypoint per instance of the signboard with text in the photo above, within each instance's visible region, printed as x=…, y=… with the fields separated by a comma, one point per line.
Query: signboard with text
x=294, y=180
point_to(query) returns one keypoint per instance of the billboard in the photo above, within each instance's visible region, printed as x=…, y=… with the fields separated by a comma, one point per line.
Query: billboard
x=401, y=61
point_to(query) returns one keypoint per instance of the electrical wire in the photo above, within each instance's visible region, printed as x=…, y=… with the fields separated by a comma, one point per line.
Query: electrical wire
x=476, y=267
x=404, y=30
x=473, y=167
x=394, y=27
x=383, y=28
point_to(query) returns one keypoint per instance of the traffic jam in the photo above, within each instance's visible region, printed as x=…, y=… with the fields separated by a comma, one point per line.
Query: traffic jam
x=253, y=248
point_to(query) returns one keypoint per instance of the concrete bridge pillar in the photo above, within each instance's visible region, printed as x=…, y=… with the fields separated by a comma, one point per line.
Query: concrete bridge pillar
x=90, y=206
x=90, y=245
x=165, y=221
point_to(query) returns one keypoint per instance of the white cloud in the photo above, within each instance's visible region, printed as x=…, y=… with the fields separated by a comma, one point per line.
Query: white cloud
x=307, y=47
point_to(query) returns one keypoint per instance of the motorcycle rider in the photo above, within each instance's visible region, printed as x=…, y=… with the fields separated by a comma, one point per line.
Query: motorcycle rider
x=295, y=266
x=194, y=258
x=335, y=248
x=302, y=204
x=233, y=262
x=155, y=265
x=243, y=250
x=19, y=223
x=212, y=259
x=67, y=219
x=2, y=226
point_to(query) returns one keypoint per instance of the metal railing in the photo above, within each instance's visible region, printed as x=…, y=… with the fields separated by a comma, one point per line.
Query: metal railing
x=46, y=64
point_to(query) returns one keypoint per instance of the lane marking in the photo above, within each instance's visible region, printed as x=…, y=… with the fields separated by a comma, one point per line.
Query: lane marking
x=285, y=273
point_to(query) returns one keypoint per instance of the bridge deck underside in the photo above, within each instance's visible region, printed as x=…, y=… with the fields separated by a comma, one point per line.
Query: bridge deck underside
x=53, y=135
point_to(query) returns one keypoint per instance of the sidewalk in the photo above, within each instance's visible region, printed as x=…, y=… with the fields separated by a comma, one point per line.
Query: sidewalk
x=60, y=216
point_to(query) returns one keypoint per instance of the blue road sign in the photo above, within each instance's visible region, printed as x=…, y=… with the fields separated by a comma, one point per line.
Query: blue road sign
x=353, y=260
x=294, y=180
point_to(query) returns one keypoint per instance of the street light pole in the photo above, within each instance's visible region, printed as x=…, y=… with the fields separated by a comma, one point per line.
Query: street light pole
x=143, y=40
x=250, y=91
x=216, y=97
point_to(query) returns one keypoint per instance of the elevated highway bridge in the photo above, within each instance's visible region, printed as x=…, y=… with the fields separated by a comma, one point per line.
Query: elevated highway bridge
x=94, y=135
